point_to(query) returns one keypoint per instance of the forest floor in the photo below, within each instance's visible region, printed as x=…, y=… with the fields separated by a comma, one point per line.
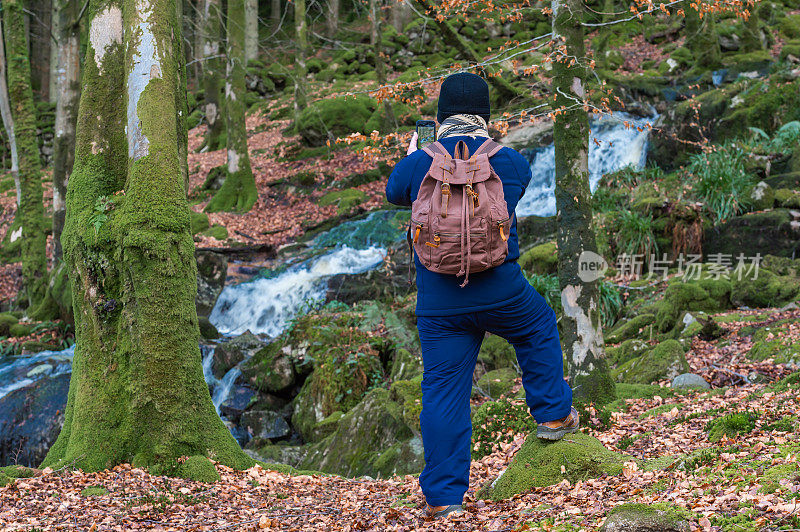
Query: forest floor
x=746, y=481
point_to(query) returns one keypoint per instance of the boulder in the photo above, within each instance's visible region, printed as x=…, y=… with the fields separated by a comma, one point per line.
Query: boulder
x=329, y=118
x=497, y=382
x=212, y=269
x=634, y=327
x=627, y=350
x=541, y=259
x=496, y=353
x=709, y=295
x=665, y=361
x=690, y=380
x=408, y=394
x=265, y=425
x=765, y=290
x=237, y=402
x=540, y=463
x=270, y=369
x=30, y=420
x=207, y=329
x=362, y=437
x=231, y=353
x=405, y=365
x=773, y=232
x=644, y=518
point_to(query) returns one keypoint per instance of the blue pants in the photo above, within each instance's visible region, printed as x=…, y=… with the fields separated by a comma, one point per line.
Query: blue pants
x=450, y=346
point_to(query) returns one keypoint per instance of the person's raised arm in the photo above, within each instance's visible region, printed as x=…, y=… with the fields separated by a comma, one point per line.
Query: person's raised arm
x=398, y=187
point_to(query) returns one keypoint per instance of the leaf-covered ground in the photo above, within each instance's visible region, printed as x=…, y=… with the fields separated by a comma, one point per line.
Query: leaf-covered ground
x=746, y=480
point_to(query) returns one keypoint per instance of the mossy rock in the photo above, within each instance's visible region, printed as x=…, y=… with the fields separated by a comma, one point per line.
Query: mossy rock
x=404, y=114
x=7, y=320
x=362, y=435
x=770, y=344
x=401, y=458
x=94, y=491
x=408, y=394
x=709, y=295
x=220, y=232
x=198, y=468
x=334, y=117
x=635, y=517
x=344, y=200
x=790, y=26
x=772, y=232
x=20, y=329
x=766, y=290
x=405, y=365
x=541, y=259
x=632, y=328
x=327, y=426
x=762, y=196
x=731, y=425
x=496, y=353
x=270, y=370
x=785, y=197
x=198, y=221
x=627, y=350
x=497, y=382
x=665, y=361
x=207, y=329
x=539, y=463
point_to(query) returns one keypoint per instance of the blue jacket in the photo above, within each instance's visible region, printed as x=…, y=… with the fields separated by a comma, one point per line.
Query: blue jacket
x=440, y=294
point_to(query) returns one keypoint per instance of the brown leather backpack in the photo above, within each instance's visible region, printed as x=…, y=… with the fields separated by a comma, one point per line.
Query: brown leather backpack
x=460, y=221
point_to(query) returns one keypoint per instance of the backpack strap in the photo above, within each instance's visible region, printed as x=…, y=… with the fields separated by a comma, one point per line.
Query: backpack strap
x=436, y=147
x=489, y=147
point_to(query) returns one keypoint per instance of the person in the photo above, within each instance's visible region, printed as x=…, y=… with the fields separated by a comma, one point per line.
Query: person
x=452, y=320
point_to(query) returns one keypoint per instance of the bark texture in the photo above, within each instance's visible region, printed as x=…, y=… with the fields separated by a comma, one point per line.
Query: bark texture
x=213, y=72
x=238, y=191
x=581, y=333
x=5, y=113
x=275, y=13
x=332, y=17
x=137, y=392
x=301, y=36
x=31, y=208
x=388, y=121
x=68, y=91
x=250, y=29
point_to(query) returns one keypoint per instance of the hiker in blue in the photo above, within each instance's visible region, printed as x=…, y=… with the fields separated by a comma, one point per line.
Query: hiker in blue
x=452, y=321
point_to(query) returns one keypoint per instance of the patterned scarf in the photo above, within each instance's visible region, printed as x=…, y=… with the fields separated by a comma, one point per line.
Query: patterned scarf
x=470, y=125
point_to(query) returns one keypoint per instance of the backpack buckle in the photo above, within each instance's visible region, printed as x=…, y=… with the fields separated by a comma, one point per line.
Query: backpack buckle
x=445, y=198
x=475, y=201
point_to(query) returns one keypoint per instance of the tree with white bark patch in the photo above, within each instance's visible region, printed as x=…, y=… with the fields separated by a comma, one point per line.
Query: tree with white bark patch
x=137, y=392
x=581, y=332
x=250, y=30
x=238, y=191
x=212, y=62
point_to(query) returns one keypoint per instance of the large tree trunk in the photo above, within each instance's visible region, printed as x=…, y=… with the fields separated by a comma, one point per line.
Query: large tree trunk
x=582, y=337
x=250, y=30
x=137, y=392
x=5, y=114
x=213, y=74
x=31, y=208
x=388, y=121
x=238, y=191
x=332, y=17
x=68, y=89
x=301, y=36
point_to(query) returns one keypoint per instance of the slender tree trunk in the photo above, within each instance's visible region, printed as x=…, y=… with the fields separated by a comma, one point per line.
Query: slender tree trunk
x=213, y=74
x=388, y=121
x=332, y=19
x=5, y=114
x=250, y=30
x=238, y=191
x=401, y=14
x=275, y=13
x=701, y=38
x=301, y=36
x=40, y=46
x=68, y=89
x=581, y=330
x=31, y=208
x=502, y=86
x=53, y=76
x=137, y=392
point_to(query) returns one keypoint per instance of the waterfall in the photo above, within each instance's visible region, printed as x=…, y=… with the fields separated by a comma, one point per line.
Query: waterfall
x=618, y=147
x=265, y=306
x=18, y=372
x=224, y=387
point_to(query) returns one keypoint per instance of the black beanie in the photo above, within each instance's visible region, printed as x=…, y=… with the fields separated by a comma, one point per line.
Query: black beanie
x=463, y=93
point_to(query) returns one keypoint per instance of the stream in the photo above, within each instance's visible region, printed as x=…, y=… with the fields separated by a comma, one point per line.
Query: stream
x=266, y=303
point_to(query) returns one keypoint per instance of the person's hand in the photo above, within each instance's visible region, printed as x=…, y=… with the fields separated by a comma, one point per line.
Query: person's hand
x=412, y=146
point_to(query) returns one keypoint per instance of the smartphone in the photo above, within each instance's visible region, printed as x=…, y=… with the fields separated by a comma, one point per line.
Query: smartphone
x=426, y=132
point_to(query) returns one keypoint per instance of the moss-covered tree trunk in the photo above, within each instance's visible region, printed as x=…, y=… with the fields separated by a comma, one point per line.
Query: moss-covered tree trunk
x=250, y=29
x=238, y=191
x=137, y=392
x=388, y=121
x=68, y=96
x=301, y=44
x=751, y=36
x=23, y=114
x=332, y=17
x=582, y=337
x=213, y=74
x=5, y=113
x=701, y=38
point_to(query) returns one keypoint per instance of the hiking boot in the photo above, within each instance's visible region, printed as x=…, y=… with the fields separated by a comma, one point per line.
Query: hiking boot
x=555, y=430
x=441, y=511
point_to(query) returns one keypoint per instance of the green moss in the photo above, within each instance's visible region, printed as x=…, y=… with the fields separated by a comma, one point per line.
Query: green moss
x=344, y=200
x=496, y=353
x=708, y=295
x=541, y=259
x=20, y=329
x=7, y=320
x=17, y=471
x=207, y=329
x=94, y=491
x=496, y=422
x=409, y=395
x=662, y=517
x=626, y=351
x=334, y=117
x=638, y=327
x=788, y=198
x=770, y=479
x=664, y=361
x=766, y=290
x=198, y=222
x=539, y=463
x=774, y=342
x=220, y=232
x=731, y=425
x=198, y=468
x=497, y=382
